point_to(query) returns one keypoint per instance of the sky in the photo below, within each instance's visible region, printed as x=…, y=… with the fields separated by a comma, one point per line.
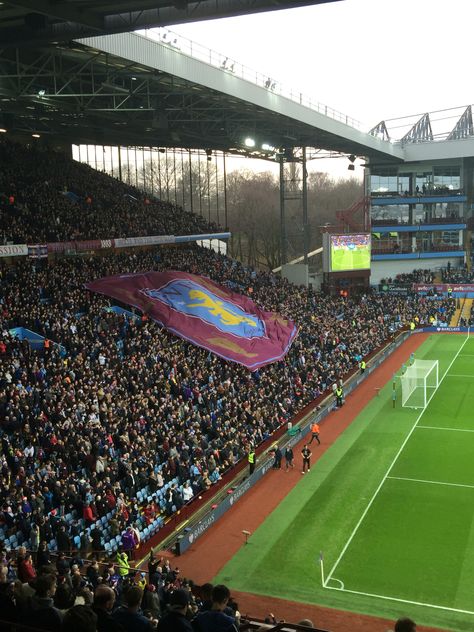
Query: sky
x=370, y=59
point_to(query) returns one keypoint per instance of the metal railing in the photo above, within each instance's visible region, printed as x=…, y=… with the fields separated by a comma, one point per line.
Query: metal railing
x=198, y=51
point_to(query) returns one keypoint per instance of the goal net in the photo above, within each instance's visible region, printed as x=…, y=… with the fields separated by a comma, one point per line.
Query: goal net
x=419, y=382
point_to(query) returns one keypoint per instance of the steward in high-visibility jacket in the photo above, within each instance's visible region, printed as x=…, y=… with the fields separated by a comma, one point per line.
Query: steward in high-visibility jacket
x=314, y=433
x=339, y=396
x=252, y=459
x=123, y=564
x=362, y=366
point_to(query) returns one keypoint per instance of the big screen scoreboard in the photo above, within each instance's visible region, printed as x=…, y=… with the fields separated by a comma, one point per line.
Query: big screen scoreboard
x=346, y=252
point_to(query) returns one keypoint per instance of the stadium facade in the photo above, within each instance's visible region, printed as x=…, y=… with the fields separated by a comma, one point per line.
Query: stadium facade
x=421, y=209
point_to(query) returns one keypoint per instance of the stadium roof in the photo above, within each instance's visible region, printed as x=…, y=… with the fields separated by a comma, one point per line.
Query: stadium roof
x=125, y=89
x=30, y=22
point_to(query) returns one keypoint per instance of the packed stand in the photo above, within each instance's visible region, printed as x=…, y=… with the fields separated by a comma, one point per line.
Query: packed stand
x=46, y=196
x=72, y=594
x=105, y=438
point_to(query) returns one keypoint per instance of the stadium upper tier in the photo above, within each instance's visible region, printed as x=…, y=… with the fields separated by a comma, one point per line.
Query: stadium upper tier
x=47, y=197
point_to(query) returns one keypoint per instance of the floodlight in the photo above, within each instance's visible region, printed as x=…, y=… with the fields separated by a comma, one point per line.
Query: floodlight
x=249, y=142
x=3, y=130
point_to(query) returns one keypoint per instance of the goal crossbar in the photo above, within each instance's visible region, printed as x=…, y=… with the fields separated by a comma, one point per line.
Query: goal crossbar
x=419, y=382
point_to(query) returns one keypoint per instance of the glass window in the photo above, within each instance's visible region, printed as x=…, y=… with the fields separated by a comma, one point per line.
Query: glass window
x=403, y=183
x=450, y=237
x=447, y=179
x=423, y=182
x=383, y=180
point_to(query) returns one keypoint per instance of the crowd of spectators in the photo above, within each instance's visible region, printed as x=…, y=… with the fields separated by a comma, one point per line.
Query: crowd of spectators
x=124, y=404
x=457, y=275
x=75, y=595
x=407, y=278
x=46, y=196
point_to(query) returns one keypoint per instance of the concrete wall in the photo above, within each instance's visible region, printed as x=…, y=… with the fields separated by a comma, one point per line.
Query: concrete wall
x=297, y=273
x=384, y=269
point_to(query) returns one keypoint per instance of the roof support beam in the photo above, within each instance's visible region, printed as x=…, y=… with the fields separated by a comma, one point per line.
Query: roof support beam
x=73, y=22
x=62, y=11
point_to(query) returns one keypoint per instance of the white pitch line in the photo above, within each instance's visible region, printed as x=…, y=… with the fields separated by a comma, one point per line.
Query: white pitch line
x=354, y=531
x=449, y=429
x=412, y=603
x=421, y=480
x=460, y=375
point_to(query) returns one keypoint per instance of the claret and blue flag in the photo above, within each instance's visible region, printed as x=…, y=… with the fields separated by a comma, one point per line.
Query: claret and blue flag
x=204, y=313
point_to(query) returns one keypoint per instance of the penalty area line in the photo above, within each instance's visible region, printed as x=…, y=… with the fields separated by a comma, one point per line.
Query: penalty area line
x=446, y=429
x=398, y=600
x=461, y=375
x=421, y=480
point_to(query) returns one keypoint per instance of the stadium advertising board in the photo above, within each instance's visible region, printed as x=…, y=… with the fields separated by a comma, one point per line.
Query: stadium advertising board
x=440, y=329
x=392, y=288
x=444, y=287
x=13, y=250
x=347, y=252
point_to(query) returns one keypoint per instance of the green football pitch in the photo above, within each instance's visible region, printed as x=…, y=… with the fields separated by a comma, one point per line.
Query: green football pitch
x=390, y=505
x=345, y=259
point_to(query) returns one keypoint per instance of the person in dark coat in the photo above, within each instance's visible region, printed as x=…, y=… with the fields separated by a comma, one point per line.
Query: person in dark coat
x=129, y=615
x=43, y=556
x=39, y=611
x=104, y=599
x=96, y=540
x=80, y=618
x=216, y=619
x=175, y=619
x=277, y=456
x=63, y=541
x=151, y=602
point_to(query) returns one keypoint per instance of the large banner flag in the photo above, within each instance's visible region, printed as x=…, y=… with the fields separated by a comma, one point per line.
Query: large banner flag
x=205, y=313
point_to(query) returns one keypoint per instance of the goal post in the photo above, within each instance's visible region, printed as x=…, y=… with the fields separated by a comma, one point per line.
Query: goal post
x=419, y=382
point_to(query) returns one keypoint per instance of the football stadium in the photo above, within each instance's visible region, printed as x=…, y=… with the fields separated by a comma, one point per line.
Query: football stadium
x=228, y=402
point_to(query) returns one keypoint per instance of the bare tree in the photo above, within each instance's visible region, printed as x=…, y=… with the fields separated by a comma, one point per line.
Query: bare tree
x=325, y=197
x=253, y=203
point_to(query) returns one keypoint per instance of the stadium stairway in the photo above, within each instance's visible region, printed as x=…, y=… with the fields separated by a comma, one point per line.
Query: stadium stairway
x=455, y=317
x=466, y=309
x=463, y=311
